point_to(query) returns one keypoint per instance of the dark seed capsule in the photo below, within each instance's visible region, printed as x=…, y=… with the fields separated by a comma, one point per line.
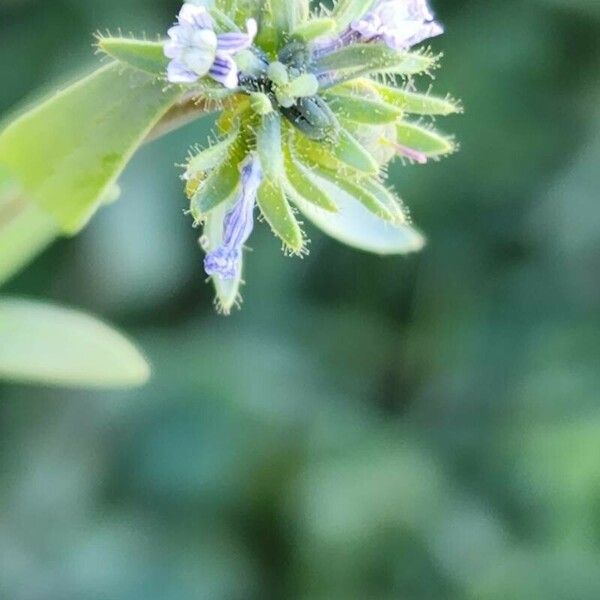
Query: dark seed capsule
x=317, y=112
x=296, y=56
x=313, y=117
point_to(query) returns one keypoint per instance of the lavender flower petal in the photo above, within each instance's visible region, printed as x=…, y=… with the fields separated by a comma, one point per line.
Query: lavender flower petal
x=237, y=224
x=177, y=72
x=195, y=16
x=401, y=24
x=236, y=41
x=222, y=263
x=225, y=71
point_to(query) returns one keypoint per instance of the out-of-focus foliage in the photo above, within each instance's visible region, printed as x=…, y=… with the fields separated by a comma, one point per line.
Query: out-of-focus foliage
x=45, y=344
x=420, y=428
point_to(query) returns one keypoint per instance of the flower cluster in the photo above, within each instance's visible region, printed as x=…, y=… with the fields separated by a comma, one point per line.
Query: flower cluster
x=196, y=50
x=314, y=108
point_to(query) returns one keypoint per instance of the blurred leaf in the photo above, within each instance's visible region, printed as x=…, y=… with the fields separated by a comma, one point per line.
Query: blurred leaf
x=25, y=229
x=89, y=131
x=45, y=344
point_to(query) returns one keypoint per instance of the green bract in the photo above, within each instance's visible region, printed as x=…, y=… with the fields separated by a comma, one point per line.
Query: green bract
x=321, y=111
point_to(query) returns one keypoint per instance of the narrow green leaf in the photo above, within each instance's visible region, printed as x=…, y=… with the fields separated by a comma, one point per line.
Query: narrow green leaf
x=348, y=150
x=268, y=145
x=314, y=29
x=279, y=215
x=355, y=226
x=429, y=142
x=359, y=191
x=219, y=187
x=210, y=157
x=363, y=110
x=139, y=54
x=343, y=154
x=361, y=59
x=409, y=63
x=45, y=344
x=417, y=104
x=388, y=199
x=89, y=132
x=300, y=182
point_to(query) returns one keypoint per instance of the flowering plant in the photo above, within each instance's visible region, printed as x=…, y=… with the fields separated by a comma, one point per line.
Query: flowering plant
x=313, y=107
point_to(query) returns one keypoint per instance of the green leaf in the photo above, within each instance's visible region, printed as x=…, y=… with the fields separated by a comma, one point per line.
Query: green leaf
x=268, y=145
x=299, y=182
x=25, y=229
x=356, y=226
x=409, y=63
x=227, y=291
x=357, y=60
x=417, y=104
x=363, y=110
x=219, y=187
x=68, y=151
x=314, y=29
x=387, y=199
x=279, y=215
x=359, y=191
x=45, y=344
x=429, y=142
x=210, y=157
x=348, y=150
x=139, y=54
x=342, y=153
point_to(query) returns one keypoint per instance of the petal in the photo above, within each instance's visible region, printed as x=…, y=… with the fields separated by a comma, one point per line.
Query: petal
x=173, y=49
x=236, y=41
x=196, y=16
x=198, y=60
x=233, y=42
x=428, y=30
x=177, y=72
x=239, y=221
x=225, y=71
x=222, y=263
x=368, y=27
x=419, y=9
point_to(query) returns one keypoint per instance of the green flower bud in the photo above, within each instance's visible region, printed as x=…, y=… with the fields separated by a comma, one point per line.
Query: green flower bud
x=260, y=103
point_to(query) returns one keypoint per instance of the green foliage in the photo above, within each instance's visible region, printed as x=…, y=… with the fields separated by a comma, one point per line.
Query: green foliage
x=48, y=345
x=422, y=429
x=115, y=111
x=139, y=54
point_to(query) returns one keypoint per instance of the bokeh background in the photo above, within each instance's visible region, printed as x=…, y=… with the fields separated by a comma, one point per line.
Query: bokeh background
x=400, y=428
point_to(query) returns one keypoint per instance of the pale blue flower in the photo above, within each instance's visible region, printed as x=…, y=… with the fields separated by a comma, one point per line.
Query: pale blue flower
x=196, y=50
x=224, y=262
x=401, y=24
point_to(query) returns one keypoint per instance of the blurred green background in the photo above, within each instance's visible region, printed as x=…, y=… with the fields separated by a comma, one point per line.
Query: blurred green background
x=401, y=428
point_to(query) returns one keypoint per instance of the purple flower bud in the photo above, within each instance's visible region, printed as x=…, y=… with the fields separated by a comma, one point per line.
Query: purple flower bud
x=224, y=262
x=401, y=24
x=196, y=50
